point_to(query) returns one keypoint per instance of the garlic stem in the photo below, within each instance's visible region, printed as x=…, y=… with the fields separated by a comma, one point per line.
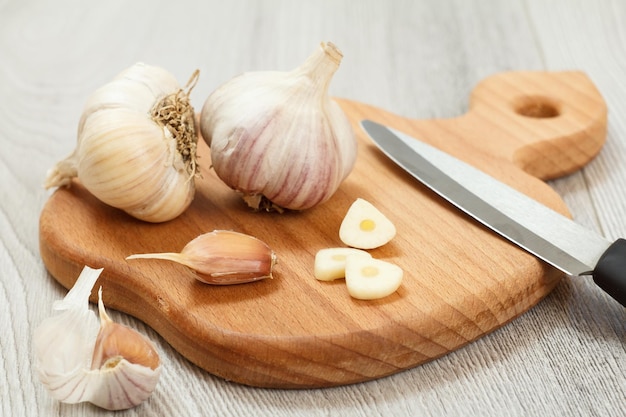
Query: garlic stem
x=62, y=173
x=320, y=68
x=168, y=256
x=78, y=295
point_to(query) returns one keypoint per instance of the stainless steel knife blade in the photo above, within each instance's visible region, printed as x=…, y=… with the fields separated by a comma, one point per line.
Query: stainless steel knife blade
x=543, y=232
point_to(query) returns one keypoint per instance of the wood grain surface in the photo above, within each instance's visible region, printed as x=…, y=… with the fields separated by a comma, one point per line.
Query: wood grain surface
x=566, y=356
x=461, y=281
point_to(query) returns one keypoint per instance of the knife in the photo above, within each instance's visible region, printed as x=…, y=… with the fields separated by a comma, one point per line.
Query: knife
x=541, y=231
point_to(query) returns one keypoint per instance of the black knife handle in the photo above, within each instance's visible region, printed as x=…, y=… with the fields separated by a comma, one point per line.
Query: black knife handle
x=610, y=273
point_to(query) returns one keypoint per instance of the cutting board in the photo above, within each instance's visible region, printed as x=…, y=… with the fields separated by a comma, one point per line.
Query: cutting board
x=461, y=281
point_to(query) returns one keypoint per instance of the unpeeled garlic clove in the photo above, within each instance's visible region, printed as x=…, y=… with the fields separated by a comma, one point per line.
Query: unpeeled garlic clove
x=278, y=138
x=64, y=347
x=136, y=147
x=116, y=342
x=223, y=257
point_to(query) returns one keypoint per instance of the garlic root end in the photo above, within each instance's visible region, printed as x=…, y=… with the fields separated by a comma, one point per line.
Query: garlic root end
x=259, y=202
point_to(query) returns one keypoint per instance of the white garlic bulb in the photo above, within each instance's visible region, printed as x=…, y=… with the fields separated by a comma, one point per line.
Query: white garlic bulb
x=113, y=367
x=136, y=147
x=277, y=137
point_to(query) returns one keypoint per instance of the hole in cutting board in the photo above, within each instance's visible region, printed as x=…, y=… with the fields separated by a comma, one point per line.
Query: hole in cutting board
x=537, y=107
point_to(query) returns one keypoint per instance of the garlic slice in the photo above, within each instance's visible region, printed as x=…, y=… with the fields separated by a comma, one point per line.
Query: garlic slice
x=365, y=227
x=64, y=345
x=330, y=263
x=371, y=279
x=223, y=257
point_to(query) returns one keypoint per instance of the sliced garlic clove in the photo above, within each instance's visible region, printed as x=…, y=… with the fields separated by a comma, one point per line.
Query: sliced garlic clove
x=370, y=279
x=365, y=227
x=223, y=257
x=330, y=263
x=64, y=346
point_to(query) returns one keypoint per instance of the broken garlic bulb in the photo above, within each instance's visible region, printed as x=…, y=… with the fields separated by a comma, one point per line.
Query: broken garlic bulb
x=114, y=367
x=223, y=257
x=278, y=138
x=136, y=147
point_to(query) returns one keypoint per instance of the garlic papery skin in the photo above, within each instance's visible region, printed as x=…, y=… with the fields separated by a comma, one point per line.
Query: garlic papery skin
x=223, y=257
x=65, y=344
x=278, y=138
x=136, y=147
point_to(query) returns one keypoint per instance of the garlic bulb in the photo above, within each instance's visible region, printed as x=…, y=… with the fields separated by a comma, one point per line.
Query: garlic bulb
x=114, y=368
x=278, y=138
x=136, y=145
x=223, y=257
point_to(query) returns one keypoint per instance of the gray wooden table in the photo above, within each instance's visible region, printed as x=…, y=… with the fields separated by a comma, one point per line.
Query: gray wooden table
x=419, y=59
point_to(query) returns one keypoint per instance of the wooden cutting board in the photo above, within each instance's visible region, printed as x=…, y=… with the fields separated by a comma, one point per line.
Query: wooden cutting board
x=461, y=281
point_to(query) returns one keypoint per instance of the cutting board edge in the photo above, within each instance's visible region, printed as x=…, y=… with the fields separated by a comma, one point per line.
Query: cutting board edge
x=268, y=374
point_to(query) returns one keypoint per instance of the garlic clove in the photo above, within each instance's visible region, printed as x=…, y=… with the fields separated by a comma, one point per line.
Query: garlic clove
x=365, y=227
x=136, y=147
x=116, y=342
x=330, y=263
x=278, y=138
x=370, y=279
x=64, y=347
x=223, y=257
